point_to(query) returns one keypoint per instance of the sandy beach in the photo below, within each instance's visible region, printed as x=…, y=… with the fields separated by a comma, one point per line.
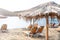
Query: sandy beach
x=17, y=34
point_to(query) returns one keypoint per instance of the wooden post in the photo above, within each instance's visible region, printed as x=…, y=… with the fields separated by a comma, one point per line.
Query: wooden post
x=47, y=24
x=33, y=22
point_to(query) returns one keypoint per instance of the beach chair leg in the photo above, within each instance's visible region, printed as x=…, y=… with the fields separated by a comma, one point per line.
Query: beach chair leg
x=28, y=37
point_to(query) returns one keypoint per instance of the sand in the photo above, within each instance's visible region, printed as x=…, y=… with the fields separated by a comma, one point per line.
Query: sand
x=17, y=34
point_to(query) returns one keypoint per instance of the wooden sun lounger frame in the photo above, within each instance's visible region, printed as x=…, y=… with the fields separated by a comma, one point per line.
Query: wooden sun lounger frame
x=31, y=35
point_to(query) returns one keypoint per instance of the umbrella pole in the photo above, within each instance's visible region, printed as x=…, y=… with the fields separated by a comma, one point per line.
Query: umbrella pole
x=33, y=22
x=47, y=23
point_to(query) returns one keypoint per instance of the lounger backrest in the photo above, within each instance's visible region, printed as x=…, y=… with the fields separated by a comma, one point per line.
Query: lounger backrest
x=40, y=29
x=30, y=26
x=4, y=27
x=33, y=30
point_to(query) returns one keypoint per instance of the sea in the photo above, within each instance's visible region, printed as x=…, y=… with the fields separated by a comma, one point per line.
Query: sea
x=16, y=22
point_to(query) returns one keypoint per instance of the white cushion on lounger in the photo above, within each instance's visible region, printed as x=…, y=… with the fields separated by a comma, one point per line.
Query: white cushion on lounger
x=26, y=32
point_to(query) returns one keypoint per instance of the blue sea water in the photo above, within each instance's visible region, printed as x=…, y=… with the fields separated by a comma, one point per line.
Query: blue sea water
x=15, y=22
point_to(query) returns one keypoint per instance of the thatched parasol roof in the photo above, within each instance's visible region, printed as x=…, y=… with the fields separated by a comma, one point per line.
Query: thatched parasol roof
x=44, y=10
x=50, y=8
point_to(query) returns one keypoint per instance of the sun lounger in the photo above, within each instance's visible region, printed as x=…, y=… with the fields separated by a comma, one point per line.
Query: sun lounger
x=31, y=32
x=30, y=26
x=34, y=31
x=40, y=29
x=4, y=28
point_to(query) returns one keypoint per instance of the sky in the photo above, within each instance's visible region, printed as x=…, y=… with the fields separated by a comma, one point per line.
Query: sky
x=18, y=5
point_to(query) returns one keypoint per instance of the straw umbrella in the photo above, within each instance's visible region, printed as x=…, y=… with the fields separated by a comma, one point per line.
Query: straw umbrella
x=52, y=12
